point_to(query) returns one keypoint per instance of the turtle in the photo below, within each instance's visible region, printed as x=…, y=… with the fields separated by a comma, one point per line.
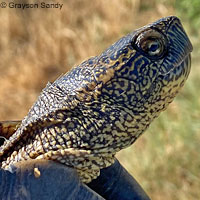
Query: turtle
x=104, y=104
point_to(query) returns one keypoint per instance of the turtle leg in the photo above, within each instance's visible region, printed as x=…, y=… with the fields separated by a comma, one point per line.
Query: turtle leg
x=8, y=128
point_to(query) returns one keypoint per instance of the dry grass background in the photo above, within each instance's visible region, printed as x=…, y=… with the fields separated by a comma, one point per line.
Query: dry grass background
x=37, y=45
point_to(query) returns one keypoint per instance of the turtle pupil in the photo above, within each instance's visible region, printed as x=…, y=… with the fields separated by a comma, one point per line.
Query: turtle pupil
x=154, y=47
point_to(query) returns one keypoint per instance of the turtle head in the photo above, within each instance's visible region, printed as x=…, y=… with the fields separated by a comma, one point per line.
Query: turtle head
x=147, y=68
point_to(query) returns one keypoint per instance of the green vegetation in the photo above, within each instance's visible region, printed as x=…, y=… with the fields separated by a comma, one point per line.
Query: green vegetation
x=189, y=10
x=38, y=45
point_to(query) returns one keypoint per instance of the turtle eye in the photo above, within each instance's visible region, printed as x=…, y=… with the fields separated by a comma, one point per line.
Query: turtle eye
x=152, y=46
x=152, y=43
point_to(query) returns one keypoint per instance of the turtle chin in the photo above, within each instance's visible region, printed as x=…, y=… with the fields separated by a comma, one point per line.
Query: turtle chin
x=174, y=80
x=167, y=86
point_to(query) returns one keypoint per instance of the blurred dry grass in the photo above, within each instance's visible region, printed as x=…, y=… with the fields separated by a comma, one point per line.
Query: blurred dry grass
x=37, y=45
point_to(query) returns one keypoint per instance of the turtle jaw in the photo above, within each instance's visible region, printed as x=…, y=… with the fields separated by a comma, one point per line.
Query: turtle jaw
x=178, y=49
x=172, y=82
x=166, y=86
x=178, y=71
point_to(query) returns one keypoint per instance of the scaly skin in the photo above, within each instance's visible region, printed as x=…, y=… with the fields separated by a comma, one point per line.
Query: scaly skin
x=104, y=104
x=8, y=128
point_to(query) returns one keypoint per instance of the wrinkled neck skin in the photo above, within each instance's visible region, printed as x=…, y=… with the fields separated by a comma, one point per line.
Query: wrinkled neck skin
x=119, y=123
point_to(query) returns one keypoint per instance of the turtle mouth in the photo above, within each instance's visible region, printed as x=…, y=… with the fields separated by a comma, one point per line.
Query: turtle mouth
x=180, y=64
x=181, y=68
x=188, y=56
